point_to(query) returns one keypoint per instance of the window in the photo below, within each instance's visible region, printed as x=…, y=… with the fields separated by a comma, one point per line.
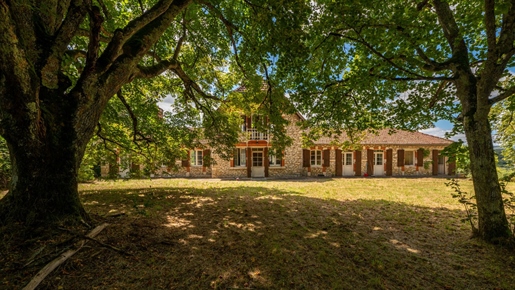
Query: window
x=348, y=158
x=240, y=157
x=379, y=158
x=196, y=157
x=441, y=159
x=408, y=157
x=274, y=159
x=316, y=157
x=257, y=157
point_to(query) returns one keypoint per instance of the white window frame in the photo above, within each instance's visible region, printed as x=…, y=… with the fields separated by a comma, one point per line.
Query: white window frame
x=196, y=157
x=242, y=155
x=406, y=153
x=273, y=160
x=316, y=158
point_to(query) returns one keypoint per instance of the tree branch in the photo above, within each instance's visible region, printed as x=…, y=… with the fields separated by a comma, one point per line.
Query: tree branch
x=147, y=72
x=106, y=139
x=95, y=24
x=504, y=95
x=443, y=85
x=490, y=27
x=134, y=119
x=450, y=29
x=380, y=55
x=75, y=53
x=181, y=39
x=74, y=17
x=120, y=36
x=87, y=33
x=175, y=67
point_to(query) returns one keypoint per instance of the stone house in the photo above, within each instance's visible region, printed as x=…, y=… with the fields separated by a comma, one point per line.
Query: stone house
x=382, y=154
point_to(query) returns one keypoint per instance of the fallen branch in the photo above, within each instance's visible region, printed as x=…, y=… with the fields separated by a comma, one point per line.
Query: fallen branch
x=41, y=275
x=98, y=242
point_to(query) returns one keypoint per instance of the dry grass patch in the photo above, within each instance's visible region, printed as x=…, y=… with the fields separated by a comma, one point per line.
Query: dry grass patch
x=387, y=233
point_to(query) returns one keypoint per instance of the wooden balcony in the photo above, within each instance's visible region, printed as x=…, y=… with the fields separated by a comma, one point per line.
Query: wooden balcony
x=254, y=134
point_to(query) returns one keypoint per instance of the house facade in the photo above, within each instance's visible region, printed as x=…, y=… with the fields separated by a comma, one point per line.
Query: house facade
x=402, y=153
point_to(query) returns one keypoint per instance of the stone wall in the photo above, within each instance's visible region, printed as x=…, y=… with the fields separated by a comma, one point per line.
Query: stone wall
x=408, y=170
x=292, y=156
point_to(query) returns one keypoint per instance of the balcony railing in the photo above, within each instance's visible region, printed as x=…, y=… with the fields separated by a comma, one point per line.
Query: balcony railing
x=257, y=135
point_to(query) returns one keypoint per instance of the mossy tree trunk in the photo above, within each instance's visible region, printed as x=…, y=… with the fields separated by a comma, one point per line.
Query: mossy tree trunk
x=47, y=114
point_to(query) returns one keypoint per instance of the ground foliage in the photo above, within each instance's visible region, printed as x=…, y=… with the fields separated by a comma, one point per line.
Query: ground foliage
x=317, y=233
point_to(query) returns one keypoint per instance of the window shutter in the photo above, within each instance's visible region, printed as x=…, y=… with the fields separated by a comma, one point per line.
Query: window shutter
x=249, y=162
x=244, y=123
x=249, y=123
x=357, y=164
x=400, y=157
x=389, y=161
x=370, y=162
x=452, y=167
x=338, y=164
x=282, y=159
x=234, y=157
x=435, y=162
x=326, y=154
x=186, y=162
x=306, y=158
x=206, y=155
x=266, y=162
x=420, y=157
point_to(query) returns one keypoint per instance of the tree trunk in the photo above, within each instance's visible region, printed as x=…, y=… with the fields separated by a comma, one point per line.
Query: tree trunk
x=43, y=186
x=45, y=164
x=492, y=222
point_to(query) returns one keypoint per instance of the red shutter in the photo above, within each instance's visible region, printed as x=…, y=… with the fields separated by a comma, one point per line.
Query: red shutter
x=389, y=161
x=338, y=163
x=186, y=162
x=357, y=163
x=326, y=156
x=206, y=156
x=306, y=155
x=452, y=167
x=282, y=159
x=420, y=157
x=370, y=162
x=249, y=123
x=435, y=162
x=249, y=162
x=400, y=157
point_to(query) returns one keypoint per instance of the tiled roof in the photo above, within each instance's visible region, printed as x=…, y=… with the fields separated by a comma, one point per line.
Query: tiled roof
x=398, y=137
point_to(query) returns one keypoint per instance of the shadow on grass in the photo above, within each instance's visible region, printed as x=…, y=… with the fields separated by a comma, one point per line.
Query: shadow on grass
x=255, y=237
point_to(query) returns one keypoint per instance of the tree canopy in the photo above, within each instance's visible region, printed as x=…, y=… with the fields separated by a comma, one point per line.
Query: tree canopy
x=399, y=64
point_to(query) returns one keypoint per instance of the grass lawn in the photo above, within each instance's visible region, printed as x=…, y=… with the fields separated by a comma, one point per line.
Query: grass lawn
x=320, y=233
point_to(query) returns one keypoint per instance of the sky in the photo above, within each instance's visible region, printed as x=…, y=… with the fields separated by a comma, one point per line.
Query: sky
x=442, y=127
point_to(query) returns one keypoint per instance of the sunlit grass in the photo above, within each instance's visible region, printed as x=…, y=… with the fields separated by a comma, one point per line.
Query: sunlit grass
x=318, y=233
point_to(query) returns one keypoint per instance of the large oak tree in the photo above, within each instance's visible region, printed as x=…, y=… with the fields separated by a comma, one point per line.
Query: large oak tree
x=405, y=64
x=61, y=61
